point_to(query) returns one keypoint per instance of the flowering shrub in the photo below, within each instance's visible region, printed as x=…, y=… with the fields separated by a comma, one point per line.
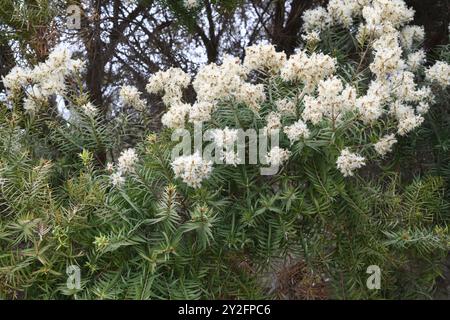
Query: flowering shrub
x=311, y=94
x=147, y=225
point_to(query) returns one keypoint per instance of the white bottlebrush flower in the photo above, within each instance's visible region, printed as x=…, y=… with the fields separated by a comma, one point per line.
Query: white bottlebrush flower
x=316, y=19
x=409, y=123
x=16, y=78
x=348, y=162
x=403, y=86
x=342, y=12
x=386, y=61
x=58, y=65
x=273, y=122
x=40, y=73
x=48, y=76
x=109, y=167
x=400, y=110
x=53, y=84
x=439, y=73
x=60, y=58
x=308, y=69
x=30, y=106
x=286, y=107
x=264, y=57
x=171, y=82
x=407, y=119
x=251, y=95
x=381, y=90
x=127, y=160
x=387, y=12
x=201, y=111
x=387, y=40
x=313, y=110
x=332, y=101
x=77, y=65
x=190, y=4
x=130, y=96
x=224, y=137
x=192, y=169
x=423, y=94
x=34, y=99
x=422, y=107
x=384, y=145
x=297, y=131
x=276, y=156
x=369, y=107
x=311, y=37
x=89, y=109
x=117, y=179
x=410, y=35
x=175, y=117
x=219, y=82
x=415, y=60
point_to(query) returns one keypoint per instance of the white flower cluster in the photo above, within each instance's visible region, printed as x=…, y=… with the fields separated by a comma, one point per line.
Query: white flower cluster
x=251, y=95
x=384, y=145
x=44, y=80
x=273, y=121
x=410, y=35
x=130, y=95
x=225, y=140
x=175, y=117
x=348, y=162
x=16, y=78
x=332, y=101
x=89, y=109
x=117, y=179
x=316, y=19
x=387, y=58
x=263, y=57
x=192, y=169
x=220, y=82
x=321, y=97
x=125, y=164
x=224, y=137
x=311, y=37
x=127, y=160
x=439, y=73
x=212, y=84
x=343, y=12
x=216, y=82
x=407, y=118
x=308, y=69
x=297, y=131
x=190, y=4
x=384, y=27
x=276, y=156
x=369, y=107
x=415, y=60
x=201, y=111
x=286, y=107
x=171, y=82
x=380, y=15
